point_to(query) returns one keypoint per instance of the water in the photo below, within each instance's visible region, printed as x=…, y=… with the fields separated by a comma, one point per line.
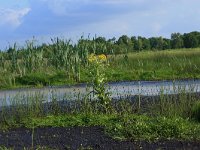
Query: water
x=117, y=90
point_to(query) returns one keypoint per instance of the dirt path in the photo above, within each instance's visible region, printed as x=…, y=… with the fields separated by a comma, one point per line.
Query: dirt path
x=81, y=137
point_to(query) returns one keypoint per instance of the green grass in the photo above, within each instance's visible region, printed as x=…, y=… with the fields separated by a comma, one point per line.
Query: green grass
x=132, y=127
x=156, y=65
x=145, y=65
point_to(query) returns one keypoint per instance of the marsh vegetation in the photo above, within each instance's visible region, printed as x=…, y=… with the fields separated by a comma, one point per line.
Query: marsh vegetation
x=134, y=118
x=64, y=62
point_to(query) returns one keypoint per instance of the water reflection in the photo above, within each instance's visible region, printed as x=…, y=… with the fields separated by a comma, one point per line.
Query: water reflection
x=117, y=90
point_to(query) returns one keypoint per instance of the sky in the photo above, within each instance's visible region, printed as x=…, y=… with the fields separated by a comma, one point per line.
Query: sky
x=21, y=20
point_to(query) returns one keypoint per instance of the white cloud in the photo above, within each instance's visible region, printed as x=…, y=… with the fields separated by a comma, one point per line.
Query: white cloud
x=12, y=17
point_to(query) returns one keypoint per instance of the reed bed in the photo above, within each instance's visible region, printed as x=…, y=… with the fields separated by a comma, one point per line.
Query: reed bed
x=64, y=62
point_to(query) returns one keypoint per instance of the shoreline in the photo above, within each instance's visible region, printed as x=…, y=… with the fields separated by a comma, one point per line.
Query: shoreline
x=85, y=84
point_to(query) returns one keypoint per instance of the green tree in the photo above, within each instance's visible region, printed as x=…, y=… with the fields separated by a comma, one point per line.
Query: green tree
x=166, y=43
x=125, y=43
x=134, y=42
x=100, y=40
x=177, y=40
x=145, y=43
x=157, y=43
x=139, y=44
x=191, y=40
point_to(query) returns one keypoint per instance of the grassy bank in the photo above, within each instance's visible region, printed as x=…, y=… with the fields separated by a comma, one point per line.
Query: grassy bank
x=131, y=127
x=146, y=65
x=156, y=65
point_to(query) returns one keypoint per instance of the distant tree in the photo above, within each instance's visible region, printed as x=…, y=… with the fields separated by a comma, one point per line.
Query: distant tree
x=160, y=43
x=125, y=43
x=153, y=43
x=124, y=39
x=112, y=40
x=139, y=44
x=156, y=43
x=166, y=43
x=134, y=41
x=100, y=40
x=145, y=44
x=177, y=40
x=191, y=40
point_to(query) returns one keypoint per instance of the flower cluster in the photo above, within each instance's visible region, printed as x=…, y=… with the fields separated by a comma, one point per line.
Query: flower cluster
x=102, y=57
x=97, y=58
x=92, y=58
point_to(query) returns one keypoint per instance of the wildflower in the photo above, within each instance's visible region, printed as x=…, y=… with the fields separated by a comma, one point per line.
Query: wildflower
x=97, y=58
x=92, y=58
x=102, y=57
x=98, y=64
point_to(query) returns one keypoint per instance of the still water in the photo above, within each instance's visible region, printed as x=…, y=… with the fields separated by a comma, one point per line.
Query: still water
x=117, y=90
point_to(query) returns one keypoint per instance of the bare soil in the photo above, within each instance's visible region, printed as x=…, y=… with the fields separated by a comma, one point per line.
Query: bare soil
x=82, y=138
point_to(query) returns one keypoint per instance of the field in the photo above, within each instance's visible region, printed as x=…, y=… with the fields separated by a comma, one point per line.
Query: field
x=157, y=65
x=137, y=121
x=65, y=64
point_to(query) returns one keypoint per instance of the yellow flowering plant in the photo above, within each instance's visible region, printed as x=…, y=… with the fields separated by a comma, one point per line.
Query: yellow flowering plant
x=98, y=64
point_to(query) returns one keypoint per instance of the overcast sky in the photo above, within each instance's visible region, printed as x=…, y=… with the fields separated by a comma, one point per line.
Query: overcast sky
x=20, y=20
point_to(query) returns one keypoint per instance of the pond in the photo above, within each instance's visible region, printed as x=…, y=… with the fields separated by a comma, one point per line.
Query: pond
x=117, y=90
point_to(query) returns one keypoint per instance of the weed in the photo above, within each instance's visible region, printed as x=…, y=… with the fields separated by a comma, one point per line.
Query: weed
x=196, y=111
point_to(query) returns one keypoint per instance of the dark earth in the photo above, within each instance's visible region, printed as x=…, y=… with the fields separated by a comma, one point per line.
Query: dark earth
x=81, y=138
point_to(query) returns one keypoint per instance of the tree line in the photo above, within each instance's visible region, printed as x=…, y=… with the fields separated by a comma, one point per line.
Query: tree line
x=134, y=44
x=121, y=45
